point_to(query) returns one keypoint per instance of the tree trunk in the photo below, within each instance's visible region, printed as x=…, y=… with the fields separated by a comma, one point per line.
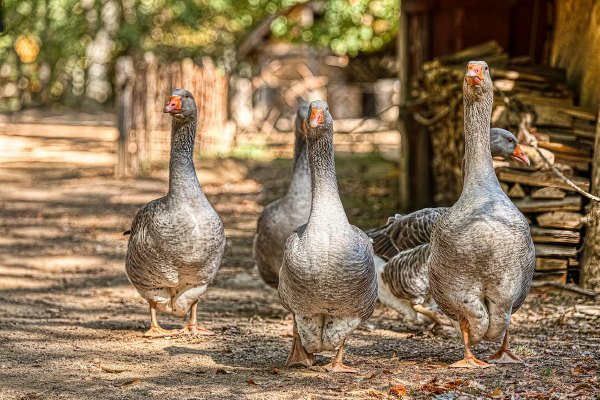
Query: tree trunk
x=590, y=262
x=125, y=77
x=402, y=55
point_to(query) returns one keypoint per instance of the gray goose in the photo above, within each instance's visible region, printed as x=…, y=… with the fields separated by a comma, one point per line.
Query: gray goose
x=402, y=247
x=279, y=219
x=403, y=232
x=482, y=256
x=177, y=241
x=327, y=278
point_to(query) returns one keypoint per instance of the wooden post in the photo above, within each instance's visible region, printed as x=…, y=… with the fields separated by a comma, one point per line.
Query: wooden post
x=590, y=262
x=402, y=55
x=125, y=76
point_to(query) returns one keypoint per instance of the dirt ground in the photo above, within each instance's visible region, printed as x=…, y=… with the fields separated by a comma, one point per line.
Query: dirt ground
x=71, y=325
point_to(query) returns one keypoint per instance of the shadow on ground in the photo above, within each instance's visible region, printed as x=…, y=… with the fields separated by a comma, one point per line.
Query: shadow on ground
x=71, y=326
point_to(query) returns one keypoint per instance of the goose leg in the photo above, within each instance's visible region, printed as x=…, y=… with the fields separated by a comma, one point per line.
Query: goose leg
x=192, y=327
x=504, y=355
x=337, y=365
x=434, y=316
x=156, y=330
x=469, y=361
x=298, y=354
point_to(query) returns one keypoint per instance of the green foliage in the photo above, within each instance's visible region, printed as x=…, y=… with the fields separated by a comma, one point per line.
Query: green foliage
x=59, y=50
x=347, y=26
x=192, y=28
x=43, y=48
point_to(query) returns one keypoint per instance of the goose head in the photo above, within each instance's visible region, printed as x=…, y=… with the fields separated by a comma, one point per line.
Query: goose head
x=477, y=81
x=181, y=106
x=319, y=121
x=301, y=117
x=505, y=145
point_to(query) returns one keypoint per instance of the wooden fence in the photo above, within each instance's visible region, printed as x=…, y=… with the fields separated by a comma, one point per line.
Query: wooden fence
x=142, y=90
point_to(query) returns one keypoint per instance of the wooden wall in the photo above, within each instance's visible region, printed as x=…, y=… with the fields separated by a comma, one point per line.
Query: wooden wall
x=576, y=48
x=440, y=27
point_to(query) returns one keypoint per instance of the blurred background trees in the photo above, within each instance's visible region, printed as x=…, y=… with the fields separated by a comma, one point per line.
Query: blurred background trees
x=63, y=51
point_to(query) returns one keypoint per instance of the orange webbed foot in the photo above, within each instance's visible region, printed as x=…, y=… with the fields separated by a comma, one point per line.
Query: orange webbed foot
x=195, y=330
x=504, y=357
x=471, y=363
x=158, y=332
x=339, y=367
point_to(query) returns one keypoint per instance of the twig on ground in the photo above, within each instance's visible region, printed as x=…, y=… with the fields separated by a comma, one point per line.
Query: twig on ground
x=564, y=286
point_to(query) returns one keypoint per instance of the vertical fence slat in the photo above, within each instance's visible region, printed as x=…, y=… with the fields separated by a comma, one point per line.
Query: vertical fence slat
x=144, y=130
x=125, y=79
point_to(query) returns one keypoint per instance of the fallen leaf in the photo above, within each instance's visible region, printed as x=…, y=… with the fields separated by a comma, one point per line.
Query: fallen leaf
x=439, y=388
x=398, y=390
x=577, y=371
x=368, y=377
x=454, y=384
x=368, y=393
x=276, y=371
x=131, y=382
x=251, y=382
x=496, y=394
x=112, y=369
x=223, y=371
x=376, y=394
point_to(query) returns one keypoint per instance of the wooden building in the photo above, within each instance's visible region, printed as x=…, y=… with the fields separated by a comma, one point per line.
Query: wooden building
x=542, y=54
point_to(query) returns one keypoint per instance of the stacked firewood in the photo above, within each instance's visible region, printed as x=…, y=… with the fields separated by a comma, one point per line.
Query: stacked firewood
x=535, y=104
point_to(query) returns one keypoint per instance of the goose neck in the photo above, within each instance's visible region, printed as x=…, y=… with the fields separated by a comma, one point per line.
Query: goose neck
x=478, y=168
x=183, y=181
x=300, y=185
x=326, y=201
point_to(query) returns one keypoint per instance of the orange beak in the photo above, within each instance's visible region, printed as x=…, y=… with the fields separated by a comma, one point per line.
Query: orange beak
x=518, y=155
x=174, y=105
x=474, y=76
x=316, y=118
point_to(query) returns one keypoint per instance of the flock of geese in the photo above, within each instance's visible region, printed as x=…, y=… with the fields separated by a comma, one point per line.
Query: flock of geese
x=469, y=266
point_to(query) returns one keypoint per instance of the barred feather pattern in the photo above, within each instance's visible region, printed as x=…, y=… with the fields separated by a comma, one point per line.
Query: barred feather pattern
x=382, y=244
x=406, y=274
x=327, y=278
x=404, y=242
x=482, y=256
x=414, y=229
x=281, y=217
x=177, y=241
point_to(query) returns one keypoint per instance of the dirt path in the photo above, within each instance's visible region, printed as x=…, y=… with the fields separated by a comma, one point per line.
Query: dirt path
x=71, y=325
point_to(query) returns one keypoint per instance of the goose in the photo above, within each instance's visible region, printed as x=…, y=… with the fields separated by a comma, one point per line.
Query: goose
x=402, y=248
x=327, y=278
x=279, y=219
x=176, y=242
x=482, y=255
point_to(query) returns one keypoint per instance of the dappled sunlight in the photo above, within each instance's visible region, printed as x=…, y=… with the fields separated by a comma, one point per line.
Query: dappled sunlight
x=74, y=322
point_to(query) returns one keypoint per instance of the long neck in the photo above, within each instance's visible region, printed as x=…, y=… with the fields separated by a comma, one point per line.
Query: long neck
x=478, y=168
x=300, y=185
x=183, y=181
x=325, y=196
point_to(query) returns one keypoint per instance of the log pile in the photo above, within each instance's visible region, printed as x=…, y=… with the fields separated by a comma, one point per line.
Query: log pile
x=535, y=104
